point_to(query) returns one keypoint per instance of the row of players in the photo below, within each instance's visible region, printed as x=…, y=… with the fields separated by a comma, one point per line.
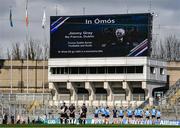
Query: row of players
x=104, y=113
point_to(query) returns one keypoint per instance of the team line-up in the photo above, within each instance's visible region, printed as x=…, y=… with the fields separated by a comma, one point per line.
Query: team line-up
x=105, y=115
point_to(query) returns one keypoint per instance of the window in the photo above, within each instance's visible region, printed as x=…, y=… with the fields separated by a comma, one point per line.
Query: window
x=53, y=70
x=111, y=70
x=139, y=69
x=162, y=71
x=101, y=70
x=120, y=69
x=82, y=70
x=92, y=70
x=74, y=70
x=152, y=70
x=57, y=70
x=131, y=69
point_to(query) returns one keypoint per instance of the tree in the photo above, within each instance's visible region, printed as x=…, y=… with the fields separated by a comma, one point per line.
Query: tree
x=172, y=48
x=8, y=54
x=46, y=51
x=169, y=49
x=1, y=52
x=34, y=50
x=16, y=51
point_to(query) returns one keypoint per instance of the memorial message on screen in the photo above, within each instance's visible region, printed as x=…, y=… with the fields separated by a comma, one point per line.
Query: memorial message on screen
x=100, y=35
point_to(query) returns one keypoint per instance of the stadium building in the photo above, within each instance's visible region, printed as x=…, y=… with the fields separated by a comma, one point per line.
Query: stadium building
x=123, y=80
x=103, y=59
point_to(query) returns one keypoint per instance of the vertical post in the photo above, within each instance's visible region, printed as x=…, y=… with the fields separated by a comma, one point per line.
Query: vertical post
x=84, y=9
x=56, y=10
x=27, y=41
x=150, y=6
x=27, y=73
x=127, y=10
x=11, y=75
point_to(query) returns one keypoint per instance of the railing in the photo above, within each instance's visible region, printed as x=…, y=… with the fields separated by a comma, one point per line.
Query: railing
x=146, y=102
x=17, y=97
x=172, y=91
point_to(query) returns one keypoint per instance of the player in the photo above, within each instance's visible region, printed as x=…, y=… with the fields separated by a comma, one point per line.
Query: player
x=72, y=114
x=102, y=110
x=107, y=115
x=96, y=115
x=136, y=116
x=129, y=114
x=153, y=115
x=158, y=116
x=83, y=114
x=147, y=116
x=121, y=115
x=141, y=115
x=64, y=116
x=115, y=121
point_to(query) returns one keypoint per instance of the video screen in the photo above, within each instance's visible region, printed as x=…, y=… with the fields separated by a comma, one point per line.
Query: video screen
x=100, y=35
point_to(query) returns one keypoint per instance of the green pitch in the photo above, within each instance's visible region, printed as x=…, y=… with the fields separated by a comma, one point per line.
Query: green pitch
x=87, y=125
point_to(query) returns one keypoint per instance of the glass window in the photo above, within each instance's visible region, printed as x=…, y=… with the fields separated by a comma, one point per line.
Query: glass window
x=131, y=69
x=120, y=69
x=53, y=70
x=101, y=70
x=111, y=70
x=57, y=70
x=82, y=70
x=92, y=70
x=152, y=70
x=74, y=70
x=139, y=69
x=162, y=71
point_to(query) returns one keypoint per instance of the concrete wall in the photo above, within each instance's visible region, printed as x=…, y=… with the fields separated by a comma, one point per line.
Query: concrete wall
x=173, y=69
x=19, y=76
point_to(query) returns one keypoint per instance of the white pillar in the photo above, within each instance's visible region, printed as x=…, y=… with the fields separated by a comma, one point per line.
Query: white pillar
x=72, y=91
x=90, y=89
x=53, y=88
x=109, y=91
x=128, y=90
x=148, y=92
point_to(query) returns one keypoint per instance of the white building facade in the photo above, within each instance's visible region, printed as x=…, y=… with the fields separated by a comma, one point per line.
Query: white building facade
x=110, y=81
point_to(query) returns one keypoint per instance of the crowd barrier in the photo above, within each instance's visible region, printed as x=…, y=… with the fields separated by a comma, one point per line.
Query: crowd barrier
x=125, y=121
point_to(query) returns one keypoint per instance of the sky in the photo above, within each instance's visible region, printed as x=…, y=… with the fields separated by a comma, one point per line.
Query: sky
x=166, y=19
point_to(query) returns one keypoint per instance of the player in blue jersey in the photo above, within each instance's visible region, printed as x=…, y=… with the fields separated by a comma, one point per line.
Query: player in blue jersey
x=136, y=114
x=158, y=116
x=115, y=120
x=153, y=115
x=107, y=115
x=121, y=115
x=96, y=115
x=102, y=111
x=129, y=114
x=147, y=115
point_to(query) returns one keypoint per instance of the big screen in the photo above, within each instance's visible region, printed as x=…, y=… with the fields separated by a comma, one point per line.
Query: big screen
x=100, y=35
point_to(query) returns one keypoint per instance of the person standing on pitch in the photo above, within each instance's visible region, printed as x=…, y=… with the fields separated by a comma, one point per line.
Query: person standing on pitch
x=153, y=115
x=102, y=110
x=158, y=116
x=147, y=115
x=121, y=115
x=72, y=114
x=63, y=118
x=96, y=115
x=129, y=114
x=115, y=120
x=107, y=115
x=83, y=114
